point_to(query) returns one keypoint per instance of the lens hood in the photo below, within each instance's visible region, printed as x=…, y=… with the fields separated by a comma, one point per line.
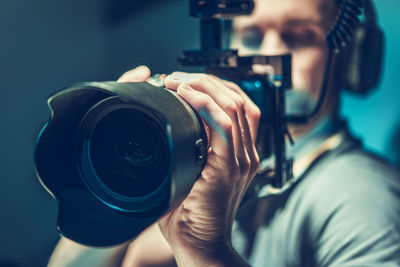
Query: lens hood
x=116, y=157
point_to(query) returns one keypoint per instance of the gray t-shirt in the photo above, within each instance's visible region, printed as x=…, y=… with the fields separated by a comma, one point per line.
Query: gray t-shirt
x=344, y=211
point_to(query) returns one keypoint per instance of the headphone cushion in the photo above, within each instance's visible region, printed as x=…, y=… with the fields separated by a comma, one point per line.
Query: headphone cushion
x=361, y=60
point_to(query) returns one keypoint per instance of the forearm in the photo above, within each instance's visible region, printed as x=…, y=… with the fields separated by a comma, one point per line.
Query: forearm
x=149, y=249
x=70, y=254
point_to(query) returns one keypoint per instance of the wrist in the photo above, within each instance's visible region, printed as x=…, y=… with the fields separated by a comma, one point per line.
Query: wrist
x=214, y=255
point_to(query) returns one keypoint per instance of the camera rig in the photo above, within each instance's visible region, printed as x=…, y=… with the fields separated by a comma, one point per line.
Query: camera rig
x=263, y=78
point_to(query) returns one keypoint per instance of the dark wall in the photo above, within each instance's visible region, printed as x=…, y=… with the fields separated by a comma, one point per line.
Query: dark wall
x=45, y=45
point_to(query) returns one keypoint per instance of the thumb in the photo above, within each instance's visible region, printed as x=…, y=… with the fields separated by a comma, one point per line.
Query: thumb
x=138, y=74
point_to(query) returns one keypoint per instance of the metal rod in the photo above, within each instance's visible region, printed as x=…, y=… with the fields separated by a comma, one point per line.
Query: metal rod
x=211, y=34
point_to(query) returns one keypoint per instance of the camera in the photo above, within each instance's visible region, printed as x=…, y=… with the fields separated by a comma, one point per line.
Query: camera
x=116, y=157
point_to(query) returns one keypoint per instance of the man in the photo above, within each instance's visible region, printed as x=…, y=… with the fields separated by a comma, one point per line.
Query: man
x=342, y=211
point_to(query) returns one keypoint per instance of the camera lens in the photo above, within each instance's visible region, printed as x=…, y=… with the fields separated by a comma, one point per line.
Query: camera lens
x=129, y=152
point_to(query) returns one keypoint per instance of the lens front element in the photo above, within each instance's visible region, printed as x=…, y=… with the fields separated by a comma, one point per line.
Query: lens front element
x=129, y=152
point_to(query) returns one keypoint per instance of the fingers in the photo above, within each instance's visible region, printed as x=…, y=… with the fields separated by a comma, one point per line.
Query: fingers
x=221, y=124
x=233, y=104
x=253, y=113
x=139, y=74
x=226, y=99
x=249, y=119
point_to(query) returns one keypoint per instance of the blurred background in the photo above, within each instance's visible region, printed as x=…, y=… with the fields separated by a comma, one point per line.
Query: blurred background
x=46, y=45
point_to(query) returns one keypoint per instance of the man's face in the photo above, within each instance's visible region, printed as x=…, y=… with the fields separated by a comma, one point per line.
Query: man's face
x=298, y=27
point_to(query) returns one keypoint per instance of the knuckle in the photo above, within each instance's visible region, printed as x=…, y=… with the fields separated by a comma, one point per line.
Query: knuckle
x=239, y=102
x=236, y=87
x=204, y=100
x=233, y=85
x=229, y=107
x=255, y=112
x=226, y=125
x=212, y=76
x=203, y=78
x=194, y=83
x=200, y=81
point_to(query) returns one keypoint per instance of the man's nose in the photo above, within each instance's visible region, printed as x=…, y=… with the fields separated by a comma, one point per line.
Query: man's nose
x=272, y=44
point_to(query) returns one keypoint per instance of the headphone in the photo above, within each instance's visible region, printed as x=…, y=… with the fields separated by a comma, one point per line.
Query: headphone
x=361, y=46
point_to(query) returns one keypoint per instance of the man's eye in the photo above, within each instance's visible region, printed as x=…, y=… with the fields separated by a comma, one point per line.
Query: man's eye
x=252, y=39
x=301, y=38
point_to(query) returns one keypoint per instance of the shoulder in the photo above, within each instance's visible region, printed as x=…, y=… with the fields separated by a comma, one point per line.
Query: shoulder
x=354, y=177
x=353, y=208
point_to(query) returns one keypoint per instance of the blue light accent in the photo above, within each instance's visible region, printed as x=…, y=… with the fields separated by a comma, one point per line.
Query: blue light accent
x=41, y=132
x=251, y=85
x=39, y=136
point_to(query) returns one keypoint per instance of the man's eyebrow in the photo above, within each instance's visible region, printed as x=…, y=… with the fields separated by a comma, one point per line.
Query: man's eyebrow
x=246, y=25
x=243, y=25
x=303, y=22
x=246, y=28
x=312, y=23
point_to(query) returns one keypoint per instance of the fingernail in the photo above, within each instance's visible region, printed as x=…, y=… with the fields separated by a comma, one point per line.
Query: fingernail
x=141, y=69
x=174, y=77
x=179, y=76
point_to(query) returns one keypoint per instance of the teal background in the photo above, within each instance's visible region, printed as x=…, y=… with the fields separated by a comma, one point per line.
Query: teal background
x=376, y=118
x=46, y=45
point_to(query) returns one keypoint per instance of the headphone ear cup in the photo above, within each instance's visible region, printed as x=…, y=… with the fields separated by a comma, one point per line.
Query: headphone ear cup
x=361, y=61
